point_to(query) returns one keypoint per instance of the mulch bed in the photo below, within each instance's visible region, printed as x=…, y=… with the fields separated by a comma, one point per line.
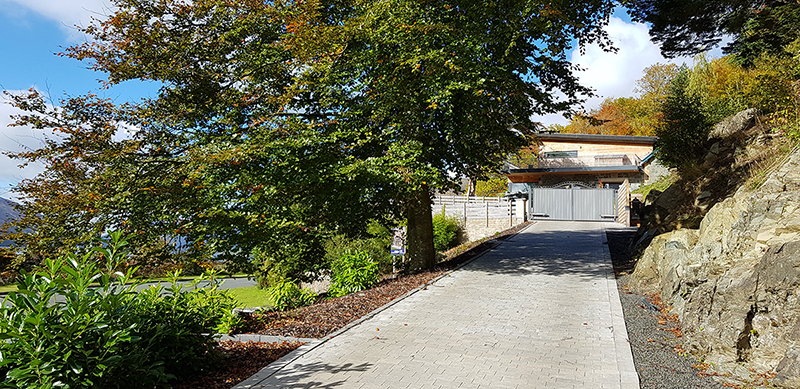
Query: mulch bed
x=327, y=316
x=240, y=360
x=243, y=359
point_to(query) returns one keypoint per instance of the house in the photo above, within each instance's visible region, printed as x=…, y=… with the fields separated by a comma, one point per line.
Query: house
x=586, y=160
x=577, y=175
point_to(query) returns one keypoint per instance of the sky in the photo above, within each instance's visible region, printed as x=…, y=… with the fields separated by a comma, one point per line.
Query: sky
x=33, y=31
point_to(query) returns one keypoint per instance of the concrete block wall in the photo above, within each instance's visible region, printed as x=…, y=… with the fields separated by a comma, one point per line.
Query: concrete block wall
x=482, y=219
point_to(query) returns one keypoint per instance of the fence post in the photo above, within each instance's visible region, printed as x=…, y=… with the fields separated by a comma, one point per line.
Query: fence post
x=465, y=215
x=510, y=213
x=624, y=204
x=524, y=210
x=487, y=215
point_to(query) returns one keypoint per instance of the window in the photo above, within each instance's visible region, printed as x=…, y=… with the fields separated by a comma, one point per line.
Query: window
x=560, y=154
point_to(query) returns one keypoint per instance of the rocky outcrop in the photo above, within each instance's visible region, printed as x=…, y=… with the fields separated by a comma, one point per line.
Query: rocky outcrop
x=733, y=124
x=734, y=146
x=735, y=281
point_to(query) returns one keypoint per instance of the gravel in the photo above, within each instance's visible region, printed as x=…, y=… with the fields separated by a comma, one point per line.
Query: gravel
x=655, y=336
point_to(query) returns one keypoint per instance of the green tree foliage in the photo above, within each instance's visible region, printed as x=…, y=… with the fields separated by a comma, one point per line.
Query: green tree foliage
x=214, y=163
x=689, y=27
x=493, y=185
x=279, y=123
x=767, y=31
x=449, y=87
x=713, y=89
x=376, y=245
x=656, y=80
x=683, y=133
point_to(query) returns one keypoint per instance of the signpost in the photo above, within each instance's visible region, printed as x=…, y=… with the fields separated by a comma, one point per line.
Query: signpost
x=398, y=247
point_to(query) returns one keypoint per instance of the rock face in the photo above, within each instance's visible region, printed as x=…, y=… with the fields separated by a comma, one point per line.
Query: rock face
x=684, y=203
x=730, y=125
x=735, y=281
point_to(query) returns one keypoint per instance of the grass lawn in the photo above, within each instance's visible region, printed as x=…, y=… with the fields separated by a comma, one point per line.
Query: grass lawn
x=249, y=297
x=8, y=288
x=661, y=185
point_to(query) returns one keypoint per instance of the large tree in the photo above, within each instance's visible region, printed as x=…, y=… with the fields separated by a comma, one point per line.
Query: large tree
x=288, y=119
x=689, y=27
x=448, y=88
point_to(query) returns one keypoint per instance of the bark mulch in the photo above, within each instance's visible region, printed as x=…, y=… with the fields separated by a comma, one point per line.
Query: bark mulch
x=241, y=360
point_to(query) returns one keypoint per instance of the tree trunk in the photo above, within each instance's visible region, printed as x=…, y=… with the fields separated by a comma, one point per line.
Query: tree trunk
x=419, y=238
x=471, y=187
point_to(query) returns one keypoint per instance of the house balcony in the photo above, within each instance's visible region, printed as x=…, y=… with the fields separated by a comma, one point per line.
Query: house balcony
x=598, y=160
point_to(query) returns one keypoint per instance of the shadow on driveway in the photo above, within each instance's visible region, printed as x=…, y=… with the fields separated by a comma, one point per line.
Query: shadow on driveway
x=542, y=250
x=297, y=376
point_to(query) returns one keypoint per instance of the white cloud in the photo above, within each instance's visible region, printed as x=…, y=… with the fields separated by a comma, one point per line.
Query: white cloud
x=67, y=13
x=15, y=139
x=611, y=74
x=614, y=74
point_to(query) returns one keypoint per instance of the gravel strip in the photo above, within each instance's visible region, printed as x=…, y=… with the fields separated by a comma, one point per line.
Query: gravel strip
x=654, y=337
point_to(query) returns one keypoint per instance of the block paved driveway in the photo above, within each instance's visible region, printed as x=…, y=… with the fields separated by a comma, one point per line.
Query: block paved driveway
x=541, y=310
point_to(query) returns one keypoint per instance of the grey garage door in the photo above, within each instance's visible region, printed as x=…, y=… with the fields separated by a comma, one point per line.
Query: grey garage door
x=572, y=204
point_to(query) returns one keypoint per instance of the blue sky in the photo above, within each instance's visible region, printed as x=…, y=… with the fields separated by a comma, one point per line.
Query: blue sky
x=33, y=37
x=32, y=31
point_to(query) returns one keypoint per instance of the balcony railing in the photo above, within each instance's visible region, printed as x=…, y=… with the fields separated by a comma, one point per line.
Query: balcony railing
x=590, y=161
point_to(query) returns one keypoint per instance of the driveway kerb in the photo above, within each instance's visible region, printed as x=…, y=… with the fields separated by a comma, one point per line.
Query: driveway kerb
x=276, y=366
x=627, y=370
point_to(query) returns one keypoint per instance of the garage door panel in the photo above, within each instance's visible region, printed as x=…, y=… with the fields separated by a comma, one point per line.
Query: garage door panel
x=592, y=204
x=572, y=204
x=554, y=204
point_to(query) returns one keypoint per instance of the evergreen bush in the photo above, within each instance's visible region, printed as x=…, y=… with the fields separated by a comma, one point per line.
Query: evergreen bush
x=285, y=294
x=74, y=324
x=445, y=231
x=353, y=272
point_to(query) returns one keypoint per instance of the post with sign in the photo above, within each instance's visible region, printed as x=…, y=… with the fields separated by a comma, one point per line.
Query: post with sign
x=398, y=247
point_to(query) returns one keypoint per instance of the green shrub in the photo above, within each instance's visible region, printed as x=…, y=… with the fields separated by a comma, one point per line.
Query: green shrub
x=682, y=135
x=353, y=272
x=285, y=294
x=291, y=254
x=73, y=324
x=376, y=245
x=445, y=231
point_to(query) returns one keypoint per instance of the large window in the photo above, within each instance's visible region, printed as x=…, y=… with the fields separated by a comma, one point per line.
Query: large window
x=560, y=154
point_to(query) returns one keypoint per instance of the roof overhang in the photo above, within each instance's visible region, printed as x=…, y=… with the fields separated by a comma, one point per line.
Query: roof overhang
x=594, y=138
x=533, y=175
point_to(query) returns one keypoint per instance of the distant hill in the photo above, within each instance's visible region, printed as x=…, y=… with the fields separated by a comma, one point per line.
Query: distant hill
x=7, y=211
